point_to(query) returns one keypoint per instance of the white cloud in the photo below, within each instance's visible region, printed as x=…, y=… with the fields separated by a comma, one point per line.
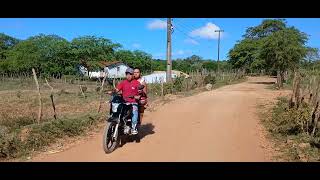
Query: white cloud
x=136, y=45
x=206, y=31
x=157, y=24
x=191, y=41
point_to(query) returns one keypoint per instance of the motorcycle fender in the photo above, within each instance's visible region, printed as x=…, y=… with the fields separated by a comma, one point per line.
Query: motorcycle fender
x=112, y=119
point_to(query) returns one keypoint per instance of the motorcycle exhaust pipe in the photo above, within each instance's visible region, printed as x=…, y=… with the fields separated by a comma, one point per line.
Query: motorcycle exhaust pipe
x=116, y=128
x=115, y=131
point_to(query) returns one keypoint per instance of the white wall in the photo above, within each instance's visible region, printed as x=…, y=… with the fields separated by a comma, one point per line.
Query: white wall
x=157, y=77
x=112, y=72
x=83, y=70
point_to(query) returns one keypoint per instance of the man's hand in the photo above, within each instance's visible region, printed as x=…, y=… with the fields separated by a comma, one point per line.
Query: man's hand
x=109, y=92
x=137, y=97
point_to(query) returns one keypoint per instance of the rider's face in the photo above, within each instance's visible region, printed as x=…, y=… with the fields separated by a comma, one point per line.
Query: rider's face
x=129, y=76
x=136, y=73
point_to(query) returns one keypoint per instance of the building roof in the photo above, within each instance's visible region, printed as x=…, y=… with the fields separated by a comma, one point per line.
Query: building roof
x=103, y=64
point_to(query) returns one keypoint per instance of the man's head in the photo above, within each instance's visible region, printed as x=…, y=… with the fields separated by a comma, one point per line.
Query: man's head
x=129, y=74
x=136, y=73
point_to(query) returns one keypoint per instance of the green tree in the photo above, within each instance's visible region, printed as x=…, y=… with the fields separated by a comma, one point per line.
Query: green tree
x=284, y=49
x=271, y=46
x=158, y=65
x=46, y=53
x=312, y=55
x=136, y=58
x=195, y=62
x=22, y=57
x=54, y=55
x=89, y=50
x=210, y=65
x=266, y=28
x=245, y=54
x=6, y=43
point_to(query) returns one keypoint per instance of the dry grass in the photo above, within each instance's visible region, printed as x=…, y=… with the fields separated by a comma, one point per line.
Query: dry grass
x=21, y=101
x=294, y=121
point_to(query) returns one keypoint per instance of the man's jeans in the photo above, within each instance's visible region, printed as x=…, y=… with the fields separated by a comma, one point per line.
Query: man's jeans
x=135, y=115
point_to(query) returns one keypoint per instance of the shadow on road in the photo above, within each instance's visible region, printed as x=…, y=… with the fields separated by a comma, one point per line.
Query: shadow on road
x=145, y=130
x=262, y=82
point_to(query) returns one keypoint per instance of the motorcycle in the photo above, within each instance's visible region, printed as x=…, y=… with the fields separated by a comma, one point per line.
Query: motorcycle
x=118, y=127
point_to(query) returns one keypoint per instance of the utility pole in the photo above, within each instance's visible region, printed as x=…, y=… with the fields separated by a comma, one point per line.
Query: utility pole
x=169, y=65
x=220, y=30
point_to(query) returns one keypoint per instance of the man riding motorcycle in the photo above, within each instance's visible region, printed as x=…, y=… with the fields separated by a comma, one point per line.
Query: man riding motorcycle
x=130, y=94
x=143, y=99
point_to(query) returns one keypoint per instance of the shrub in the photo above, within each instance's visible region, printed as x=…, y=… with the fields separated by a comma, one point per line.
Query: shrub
x=10, y=145
x=178, y=84
x=290, y=121
x=15, y=122
x=209, y=79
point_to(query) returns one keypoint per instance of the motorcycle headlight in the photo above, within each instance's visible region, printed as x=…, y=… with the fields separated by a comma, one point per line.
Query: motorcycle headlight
x=115, y=107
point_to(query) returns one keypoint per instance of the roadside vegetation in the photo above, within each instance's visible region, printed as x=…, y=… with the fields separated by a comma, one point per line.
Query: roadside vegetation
x=280, y=50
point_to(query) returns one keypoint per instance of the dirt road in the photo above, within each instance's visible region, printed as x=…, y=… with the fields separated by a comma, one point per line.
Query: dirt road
x=218, y=125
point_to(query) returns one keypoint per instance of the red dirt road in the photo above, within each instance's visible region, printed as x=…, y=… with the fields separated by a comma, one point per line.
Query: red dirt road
x=219, y=125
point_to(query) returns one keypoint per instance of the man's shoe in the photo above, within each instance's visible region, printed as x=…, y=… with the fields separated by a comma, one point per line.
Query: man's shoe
x=134, y=132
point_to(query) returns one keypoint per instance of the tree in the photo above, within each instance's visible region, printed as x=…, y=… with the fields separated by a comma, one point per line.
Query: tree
x=266, y=28
x=136, y=58
x=89, y=50
x=195, y=62
x=54, y=55
x=23, y=57
x=6, y=43
x=271, y=46
x=284, y=50
x=245, y=54
x=210, y=65
x=46, y=53
x=312, y=54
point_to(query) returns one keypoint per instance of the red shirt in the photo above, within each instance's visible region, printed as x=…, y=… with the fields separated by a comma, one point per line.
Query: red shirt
x=129, y=89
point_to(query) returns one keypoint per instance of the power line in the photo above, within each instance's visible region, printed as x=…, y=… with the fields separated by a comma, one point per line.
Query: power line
x=179, y=28
x=185, y=34
x=186, y=26
x=198, y=51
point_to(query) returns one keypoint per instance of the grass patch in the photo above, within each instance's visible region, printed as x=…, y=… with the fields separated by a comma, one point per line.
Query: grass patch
x=15, y=143
x=285, y=126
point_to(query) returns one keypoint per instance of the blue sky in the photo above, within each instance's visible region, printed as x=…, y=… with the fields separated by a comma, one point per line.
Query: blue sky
x=190, y=36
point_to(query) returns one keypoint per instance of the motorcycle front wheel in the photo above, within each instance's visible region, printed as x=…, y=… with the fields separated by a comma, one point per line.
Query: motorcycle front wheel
x=110, y=143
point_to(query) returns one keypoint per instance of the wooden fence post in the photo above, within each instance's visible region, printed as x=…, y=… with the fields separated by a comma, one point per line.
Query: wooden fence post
x=80, y=86
x=101, y=91
x=52, y=102
x=39, y=95
x=162, y=88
